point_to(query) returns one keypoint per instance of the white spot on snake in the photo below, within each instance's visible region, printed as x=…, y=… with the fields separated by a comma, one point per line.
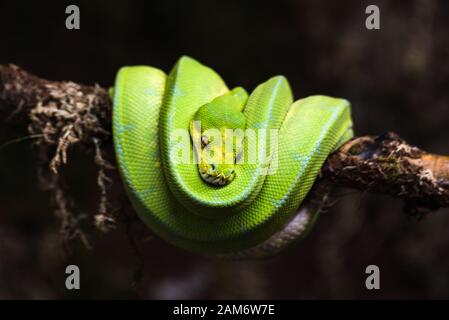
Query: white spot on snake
x=147, y=191
x=260, y=124
x=125, y=128
x=298, y=157
x=153, y=92
x=177, y=92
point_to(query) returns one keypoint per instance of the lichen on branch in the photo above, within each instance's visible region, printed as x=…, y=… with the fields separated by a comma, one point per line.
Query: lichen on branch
x=387, y=164
x=63, y=115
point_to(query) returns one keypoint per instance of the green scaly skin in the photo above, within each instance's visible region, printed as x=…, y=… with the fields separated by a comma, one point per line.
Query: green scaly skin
x=174, y=199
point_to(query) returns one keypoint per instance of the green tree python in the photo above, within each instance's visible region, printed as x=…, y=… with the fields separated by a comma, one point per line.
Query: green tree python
x=217, y=171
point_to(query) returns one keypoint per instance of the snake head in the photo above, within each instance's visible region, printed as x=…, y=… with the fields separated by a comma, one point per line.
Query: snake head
x=213, y=123
x=216, y=174
x=217, y=164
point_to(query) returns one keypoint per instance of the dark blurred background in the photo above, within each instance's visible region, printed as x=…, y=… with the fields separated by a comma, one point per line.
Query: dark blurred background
x=397, y=78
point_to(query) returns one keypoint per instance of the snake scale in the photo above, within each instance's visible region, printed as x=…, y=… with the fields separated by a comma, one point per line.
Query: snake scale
x=236, y=207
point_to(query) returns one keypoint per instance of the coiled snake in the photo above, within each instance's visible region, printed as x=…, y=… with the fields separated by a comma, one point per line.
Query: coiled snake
x=170, y=134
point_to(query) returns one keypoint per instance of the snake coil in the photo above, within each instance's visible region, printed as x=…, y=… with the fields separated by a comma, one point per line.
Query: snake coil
x=257, y=213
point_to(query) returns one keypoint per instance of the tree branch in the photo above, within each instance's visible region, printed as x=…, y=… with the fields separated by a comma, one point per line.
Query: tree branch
x=66, y=114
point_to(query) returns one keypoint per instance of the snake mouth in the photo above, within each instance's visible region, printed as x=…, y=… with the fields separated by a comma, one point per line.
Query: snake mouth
x=215, y=177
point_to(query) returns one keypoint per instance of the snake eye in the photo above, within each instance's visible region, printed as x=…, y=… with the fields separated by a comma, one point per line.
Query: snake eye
x=239, y=156
x=204, y=141
x=213, y=166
